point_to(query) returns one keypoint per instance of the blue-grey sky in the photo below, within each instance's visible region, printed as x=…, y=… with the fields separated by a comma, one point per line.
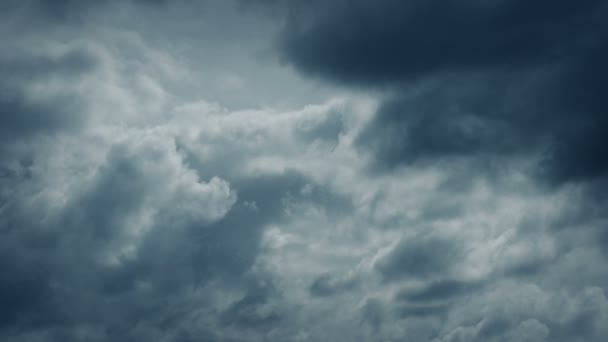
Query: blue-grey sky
x=282, y=170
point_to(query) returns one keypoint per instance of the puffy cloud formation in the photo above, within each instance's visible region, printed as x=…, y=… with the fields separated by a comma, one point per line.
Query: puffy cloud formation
x=437, y=175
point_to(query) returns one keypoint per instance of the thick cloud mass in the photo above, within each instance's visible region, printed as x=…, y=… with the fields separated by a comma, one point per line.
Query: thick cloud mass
x=553, y=49
x=435, y=172
x=392, y=41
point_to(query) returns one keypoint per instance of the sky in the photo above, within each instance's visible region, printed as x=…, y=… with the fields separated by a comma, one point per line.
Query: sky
x=284, y=170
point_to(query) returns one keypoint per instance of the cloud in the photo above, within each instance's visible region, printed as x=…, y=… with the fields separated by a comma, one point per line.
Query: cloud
x=439, y=291
x=255, y=309
x=508, y=78
x=64, y=12
x=394, y=41
x=114, y=202
x=330, y=284
x=546, y=326
x=27, y=109
x=420, y=257
x=455, y=191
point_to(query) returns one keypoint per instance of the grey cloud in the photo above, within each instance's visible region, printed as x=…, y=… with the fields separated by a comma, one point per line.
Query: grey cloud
x=175, y=254
x=67, y=63
x=328, y=130
x=493, y=118
x=233, y=241
x=24, y=290
x=496, y=328
x=440, y=291
x=392, y=41
x=256, y=309
x=398, y=44
x=406, y=311
x=576, y=149
x=94, y=216
x=545, y=319
x=373, y=312
x=70, y=12
x=527, y=268
x=22, y=118
x=27, y=119
x=23, y=115
x=493, y=327
x=332, y=284
x=131, y=208
x=419, y=257
x=449, y=118
x=61, y=265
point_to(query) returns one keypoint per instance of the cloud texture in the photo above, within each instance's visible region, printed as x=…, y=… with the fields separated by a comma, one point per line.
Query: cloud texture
x=434, y=171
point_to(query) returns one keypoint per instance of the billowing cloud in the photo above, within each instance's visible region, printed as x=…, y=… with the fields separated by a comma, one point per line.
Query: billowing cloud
x=437, y=175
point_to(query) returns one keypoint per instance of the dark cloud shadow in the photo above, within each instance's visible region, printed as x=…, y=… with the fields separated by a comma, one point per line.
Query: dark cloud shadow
x=420, y=258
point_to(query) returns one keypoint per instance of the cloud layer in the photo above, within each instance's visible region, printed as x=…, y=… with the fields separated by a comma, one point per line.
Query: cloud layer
x=447, y=185
x=467, y=77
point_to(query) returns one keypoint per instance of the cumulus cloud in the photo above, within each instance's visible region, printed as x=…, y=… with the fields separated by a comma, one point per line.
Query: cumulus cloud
x=448, y=185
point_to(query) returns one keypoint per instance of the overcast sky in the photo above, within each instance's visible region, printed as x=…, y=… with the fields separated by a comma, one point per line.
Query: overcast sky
x=284, y=170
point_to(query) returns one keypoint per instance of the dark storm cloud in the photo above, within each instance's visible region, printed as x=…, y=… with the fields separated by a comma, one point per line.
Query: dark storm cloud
x=559, y=116
x=24, y=289
x=577, y=152
x=399, y=43
x=449, y=118
x=130, y=211
x=393, y=41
